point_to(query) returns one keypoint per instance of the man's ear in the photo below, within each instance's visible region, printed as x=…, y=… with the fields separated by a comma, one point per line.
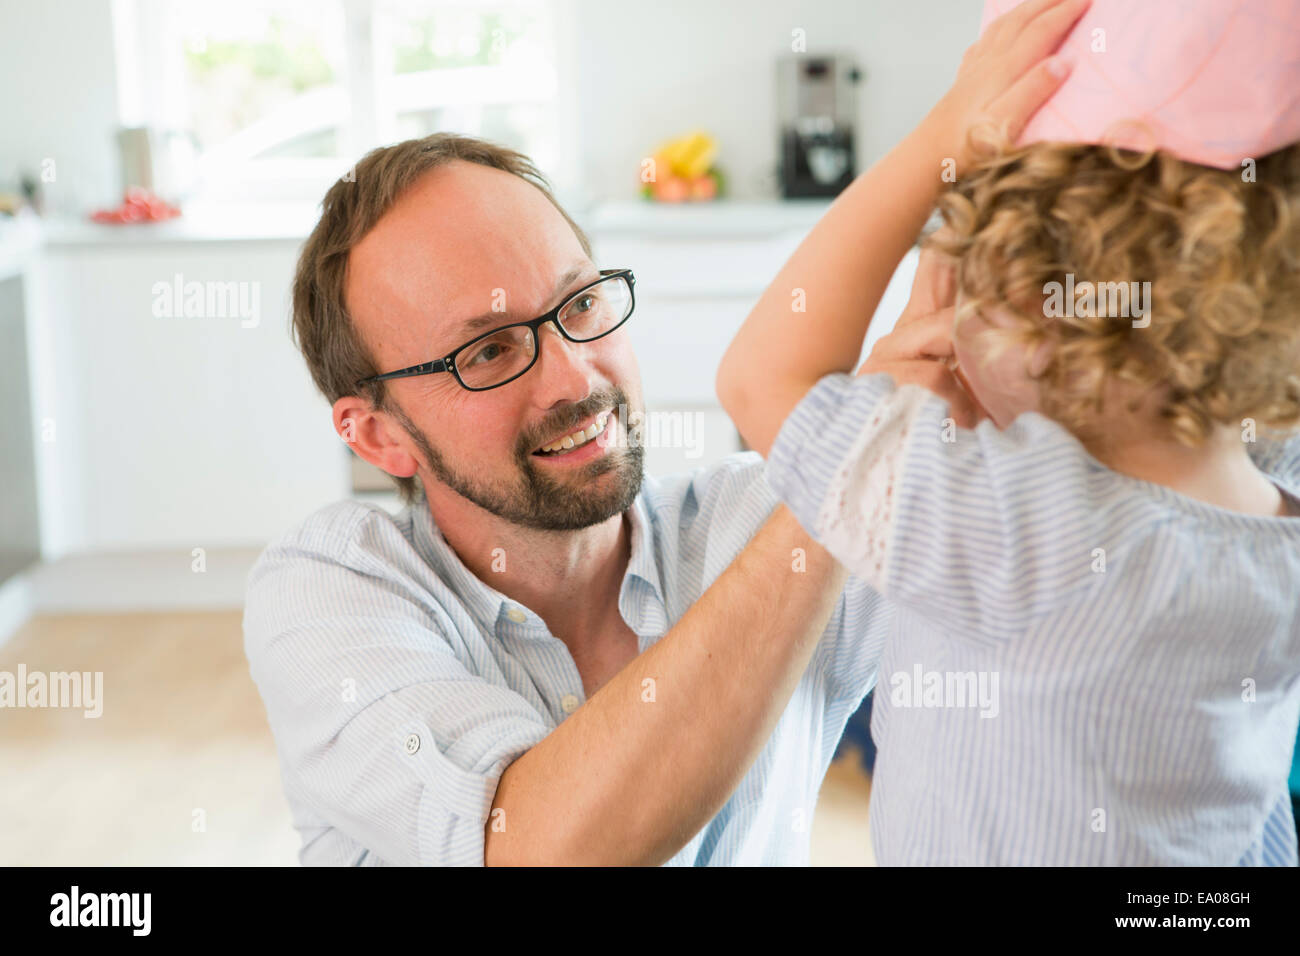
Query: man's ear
x=374, y=436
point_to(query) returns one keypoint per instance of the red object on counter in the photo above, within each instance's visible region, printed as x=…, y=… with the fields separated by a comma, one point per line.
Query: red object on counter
x=138, y=205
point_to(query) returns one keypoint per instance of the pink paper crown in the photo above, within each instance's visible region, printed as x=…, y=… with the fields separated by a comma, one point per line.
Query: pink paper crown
x=1213, y=82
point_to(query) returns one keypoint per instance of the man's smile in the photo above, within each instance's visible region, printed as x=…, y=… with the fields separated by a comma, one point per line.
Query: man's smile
x=576, y=439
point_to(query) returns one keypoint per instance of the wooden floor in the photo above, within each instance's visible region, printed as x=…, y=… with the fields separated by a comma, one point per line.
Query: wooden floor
x=183, y=730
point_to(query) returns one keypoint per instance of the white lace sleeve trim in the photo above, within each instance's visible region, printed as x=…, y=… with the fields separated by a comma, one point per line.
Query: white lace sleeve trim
x=856, y=519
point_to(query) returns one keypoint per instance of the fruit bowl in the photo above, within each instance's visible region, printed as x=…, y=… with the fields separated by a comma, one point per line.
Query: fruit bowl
x=138, y=205
x=682, y=170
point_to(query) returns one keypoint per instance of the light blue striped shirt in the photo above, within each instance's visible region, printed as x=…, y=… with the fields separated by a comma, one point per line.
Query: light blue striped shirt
x=1083, y=668
x=399, y=686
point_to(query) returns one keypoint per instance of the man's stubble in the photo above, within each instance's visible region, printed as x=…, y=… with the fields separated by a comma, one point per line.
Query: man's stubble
x=536, y=499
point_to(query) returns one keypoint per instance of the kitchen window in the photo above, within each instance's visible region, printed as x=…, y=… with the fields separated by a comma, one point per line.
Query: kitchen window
x=279, y=97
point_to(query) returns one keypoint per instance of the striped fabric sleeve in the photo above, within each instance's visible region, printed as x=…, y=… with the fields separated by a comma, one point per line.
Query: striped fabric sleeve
x=815, y=438
x=397, y=743
x=1278, y=456
x=982, y=529
x=835, y=461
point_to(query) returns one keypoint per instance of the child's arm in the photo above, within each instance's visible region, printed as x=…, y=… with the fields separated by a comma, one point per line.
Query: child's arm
x=841, y=269
x=983, y=531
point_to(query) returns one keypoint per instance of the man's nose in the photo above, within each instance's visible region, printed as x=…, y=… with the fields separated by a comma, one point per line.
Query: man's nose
x=564, y=367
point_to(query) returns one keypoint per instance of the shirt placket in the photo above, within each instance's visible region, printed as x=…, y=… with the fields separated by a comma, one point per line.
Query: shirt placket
x=549, y=659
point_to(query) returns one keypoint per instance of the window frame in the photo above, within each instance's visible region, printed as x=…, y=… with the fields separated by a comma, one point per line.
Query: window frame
x=152, y=92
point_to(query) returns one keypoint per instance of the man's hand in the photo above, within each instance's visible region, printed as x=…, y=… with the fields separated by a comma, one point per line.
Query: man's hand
x=919, y=349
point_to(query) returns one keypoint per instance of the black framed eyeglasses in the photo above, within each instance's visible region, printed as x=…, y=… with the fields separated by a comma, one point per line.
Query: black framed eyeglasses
x=494, y=358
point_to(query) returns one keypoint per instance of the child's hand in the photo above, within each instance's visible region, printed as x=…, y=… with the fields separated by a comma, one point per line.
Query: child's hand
x=918, y=351
x=844, y=265
x=1003, y=77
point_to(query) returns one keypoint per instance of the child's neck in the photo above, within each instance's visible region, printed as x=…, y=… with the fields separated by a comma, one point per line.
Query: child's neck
x=1219, y=472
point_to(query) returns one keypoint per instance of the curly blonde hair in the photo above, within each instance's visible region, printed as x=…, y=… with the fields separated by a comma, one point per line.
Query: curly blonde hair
x=1221, y=253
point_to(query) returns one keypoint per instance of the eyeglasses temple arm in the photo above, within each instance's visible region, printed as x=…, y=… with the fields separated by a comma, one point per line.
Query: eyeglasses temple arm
x=437, y=365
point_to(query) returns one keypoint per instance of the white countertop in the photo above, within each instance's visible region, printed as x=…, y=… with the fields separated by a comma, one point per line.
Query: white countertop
x=723, y=218
x=291, y=222
x=200, y=222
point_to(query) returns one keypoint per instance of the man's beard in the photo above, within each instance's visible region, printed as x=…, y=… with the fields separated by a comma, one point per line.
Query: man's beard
x=536, y=499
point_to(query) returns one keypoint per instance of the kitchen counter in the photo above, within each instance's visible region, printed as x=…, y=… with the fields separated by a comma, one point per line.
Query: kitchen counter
x=723, y=219
x=201, y=222
x=292, y=222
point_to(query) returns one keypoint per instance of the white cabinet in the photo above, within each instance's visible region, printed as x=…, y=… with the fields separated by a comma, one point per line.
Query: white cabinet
x=700, y=270
x=176, y=431
x=187, y=432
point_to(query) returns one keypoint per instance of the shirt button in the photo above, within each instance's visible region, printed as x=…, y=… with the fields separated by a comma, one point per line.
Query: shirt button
x=516, y=615
x=412, y=743
x=569, y=702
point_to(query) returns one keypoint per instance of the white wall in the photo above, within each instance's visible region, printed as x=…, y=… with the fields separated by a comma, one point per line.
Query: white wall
x=648, y=72
x=642, y=73
x=60, y=101
x=196, y=433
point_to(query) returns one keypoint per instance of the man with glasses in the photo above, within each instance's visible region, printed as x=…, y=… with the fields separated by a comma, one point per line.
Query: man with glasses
x=500, y=355
x=547, y=657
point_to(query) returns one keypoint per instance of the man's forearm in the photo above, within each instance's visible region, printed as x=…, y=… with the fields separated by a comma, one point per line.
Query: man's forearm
x=631, y=777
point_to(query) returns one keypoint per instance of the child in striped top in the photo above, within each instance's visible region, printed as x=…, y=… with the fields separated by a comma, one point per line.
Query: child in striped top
x=1084, y=514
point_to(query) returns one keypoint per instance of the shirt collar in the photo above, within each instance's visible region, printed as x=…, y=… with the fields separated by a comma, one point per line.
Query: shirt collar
x=643, y=562
x=488, y=605
x=485, y=603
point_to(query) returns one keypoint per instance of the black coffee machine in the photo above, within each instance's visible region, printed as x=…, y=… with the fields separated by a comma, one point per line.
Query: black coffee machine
x=817, y=100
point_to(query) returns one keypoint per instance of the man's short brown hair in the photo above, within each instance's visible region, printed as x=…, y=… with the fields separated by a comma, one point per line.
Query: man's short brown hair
x=322, y=325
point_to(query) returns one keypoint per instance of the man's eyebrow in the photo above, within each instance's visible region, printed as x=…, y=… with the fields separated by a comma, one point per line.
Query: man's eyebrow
x=490, y=319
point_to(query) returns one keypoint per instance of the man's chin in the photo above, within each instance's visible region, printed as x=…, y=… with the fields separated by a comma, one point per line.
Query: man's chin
x=602, y=469
x=568, y=499
x=541, y=497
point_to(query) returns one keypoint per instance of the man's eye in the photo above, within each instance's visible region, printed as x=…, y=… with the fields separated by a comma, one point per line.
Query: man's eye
x=584, y=303
x=489, y=352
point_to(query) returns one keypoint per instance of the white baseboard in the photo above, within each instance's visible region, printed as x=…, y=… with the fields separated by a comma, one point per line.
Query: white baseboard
x=142, y=581
x=15, y=604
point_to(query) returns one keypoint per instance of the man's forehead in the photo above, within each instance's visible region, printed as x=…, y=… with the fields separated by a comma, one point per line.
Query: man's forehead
x=463, y=238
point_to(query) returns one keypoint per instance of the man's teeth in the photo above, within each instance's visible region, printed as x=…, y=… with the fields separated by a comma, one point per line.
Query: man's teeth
x=581, y=436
